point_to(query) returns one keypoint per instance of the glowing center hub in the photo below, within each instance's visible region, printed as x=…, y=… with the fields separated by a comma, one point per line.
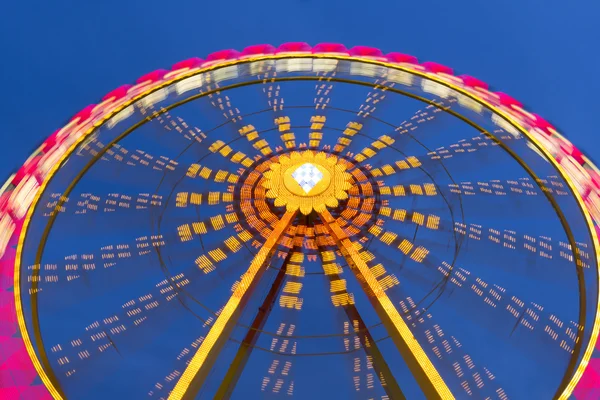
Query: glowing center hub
x=307, y=181
x=307, y=176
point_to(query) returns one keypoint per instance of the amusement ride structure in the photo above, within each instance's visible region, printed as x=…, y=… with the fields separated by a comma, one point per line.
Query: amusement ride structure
x=297, y=221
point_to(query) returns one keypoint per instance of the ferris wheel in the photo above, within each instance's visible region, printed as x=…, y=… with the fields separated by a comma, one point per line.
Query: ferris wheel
x=309, y=222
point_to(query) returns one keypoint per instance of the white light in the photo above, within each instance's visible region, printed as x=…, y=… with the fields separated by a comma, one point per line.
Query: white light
x=307, y=176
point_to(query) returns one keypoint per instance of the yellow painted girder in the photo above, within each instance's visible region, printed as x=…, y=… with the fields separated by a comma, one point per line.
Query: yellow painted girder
x=423, y=370
x=202, y=362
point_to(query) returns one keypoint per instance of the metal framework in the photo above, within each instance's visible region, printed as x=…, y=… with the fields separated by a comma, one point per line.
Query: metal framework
x=325, y=184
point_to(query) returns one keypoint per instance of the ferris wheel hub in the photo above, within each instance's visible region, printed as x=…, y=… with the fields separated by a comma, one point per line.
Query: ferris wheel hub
x=308, y=176
x=307, y=181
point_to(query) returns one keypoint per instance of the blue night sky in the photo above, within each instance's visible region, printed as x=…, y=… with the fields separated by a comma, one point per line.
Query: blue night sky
x=59, y=56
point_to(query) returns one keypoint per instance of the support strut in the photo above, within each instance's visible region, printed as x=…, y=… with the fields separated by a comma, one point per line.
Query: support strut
x=426, y=375
x=243, y=354
x=193, y=377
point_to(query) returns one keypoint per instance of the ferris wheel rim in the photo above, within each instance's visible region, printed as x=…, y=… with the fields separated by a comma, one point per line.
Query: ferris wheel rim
x=480, y=99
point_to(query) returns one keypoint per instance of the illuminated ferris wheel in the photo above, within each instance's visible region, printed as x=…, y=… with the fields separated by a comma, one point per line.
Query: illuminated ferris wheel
x=308, y=222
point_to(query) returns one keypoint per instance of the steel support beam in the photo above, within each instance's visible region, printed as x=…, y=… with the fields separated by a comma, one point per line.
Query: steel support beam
x=201, y=364
x=426, y=375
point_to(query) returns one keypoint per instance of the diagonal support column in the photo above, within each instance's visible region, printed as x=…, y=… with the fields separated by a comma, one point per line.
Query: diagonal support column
x=199, y=367
x=389, y=383
x=243, y=354
x=426, y=375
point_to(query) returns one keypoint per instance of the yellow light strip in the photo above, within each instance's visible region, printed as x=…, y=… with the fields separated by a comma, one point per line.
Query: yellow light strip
x=201, y=363
x=427, y=376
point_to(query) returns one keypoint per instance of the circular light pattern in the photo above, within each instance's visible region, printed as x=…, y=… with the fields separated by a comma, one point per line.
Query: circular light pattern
x=307, y=181
x=302, y=222
x=307, y=176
